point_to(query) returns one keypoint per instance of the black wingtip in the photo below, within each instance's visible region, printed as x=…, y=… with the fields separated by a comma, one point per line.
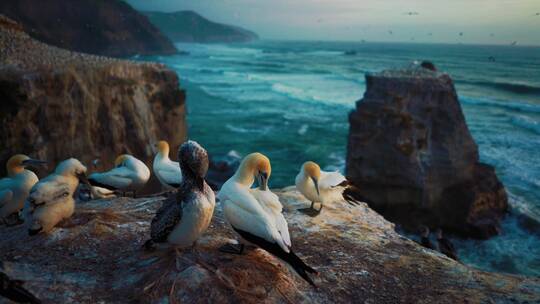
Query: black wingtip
x=300, y=267
x=289, y=257
x=352, y=195
x=95, y=183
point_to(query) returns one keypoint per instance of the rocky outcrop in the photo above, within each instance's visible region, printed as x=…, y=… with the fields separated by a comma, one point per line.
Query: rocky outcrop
x=97, y=256
x=110, y=28
x=413, y=158
x=58, y=104
x=188, y=26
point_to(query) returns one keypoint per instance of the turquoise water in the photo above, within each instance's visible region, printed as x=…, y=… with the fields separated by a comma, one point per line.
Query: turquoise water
x=290, y=100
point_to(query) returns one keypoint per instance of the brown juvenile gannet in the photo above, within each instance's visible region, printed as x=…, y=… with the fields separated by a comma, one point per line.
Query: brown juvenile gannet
x=129, y=174
x=14, y=188
x=167, y=171
x=445, y=246
x=14, y=291
x=255, y=214
x=51, y=199
x=183, y=218
x=323, y=187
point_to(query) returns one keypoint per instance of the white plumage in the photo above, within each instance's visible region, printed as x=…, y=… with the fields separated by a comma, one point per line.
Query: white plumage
x=14, y=188
x=256, y=214
x=246, y=210
x=51, y=199
x=321, y=186
x=167, y=171
x=130, y=174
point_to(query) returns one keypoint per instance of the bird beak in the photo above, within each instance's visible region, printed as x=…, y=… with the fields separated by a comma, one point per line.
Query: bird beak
x=263, y=181
x=316, y=182
x=83, y=179
x=36, y=162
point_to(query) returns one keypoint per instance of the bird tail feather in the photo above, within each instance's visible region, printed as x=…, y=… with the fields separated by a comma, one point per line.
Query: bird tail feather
x=299, y=266
x=352, y=195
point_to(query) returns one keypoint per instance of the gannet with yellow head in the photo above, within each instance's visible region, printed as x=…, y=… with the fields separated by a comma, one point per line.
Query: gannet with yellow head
x=323, y=187
x=167, y=171
x=183, y=218
x=14, y=188
x=129, y=174
x=51, y=199
x=255, y=214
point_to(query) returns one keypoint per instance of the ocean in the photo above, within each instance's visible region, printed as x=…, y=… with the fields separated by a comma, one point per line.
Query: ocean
x=291, y=100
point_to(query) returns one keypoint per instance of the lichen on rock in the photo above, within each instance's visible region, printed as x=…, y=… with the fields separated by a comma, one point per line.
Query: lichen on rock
x=98, y=256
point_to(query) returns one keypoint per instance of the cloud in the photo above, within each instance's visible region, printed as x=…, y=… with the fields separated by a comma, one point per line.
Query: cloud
x=371, y=20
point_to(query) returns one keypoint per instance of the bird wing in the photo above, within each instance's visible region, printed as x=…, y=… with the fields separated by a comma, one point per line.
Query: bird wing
x=48, y=191
x=330, y=179
x=271, y=202
x=5, y=196
x=245, y=213
x=167, y=217
x=6, y=183
x=170, y=175
x=117, y=178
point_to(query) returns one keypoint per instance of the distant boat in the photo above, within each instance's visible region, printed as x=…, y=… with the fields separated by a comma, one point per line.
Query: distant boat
x=351, y=52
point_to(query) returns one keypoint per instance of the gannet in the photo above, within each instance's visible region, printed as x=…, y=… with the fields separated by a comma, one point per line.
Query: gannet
x=51, y=199
x=424, y=238
x=323, y=187
x=14, y=291
x=445, y=246
x=255, y=214
x=14, y=188
x=167, y=171
x=129, y=174
x=183, y=218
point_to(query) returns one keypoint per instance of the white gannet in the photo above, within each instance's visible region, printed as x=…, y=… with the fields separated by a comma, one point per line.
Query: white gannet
x=167, y=171
x=255, y=214
x=51, y=199
x=323, y=187
x=129, y=174
x=14, y=188
x=184, y=217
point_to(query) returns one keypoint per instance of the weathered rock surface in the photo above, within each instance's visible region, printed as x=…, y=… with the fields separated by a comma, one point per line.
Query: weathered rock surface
x=413, y=158
x=188, y=26
x=58, y=104
x=97, y=256
x=110, y=28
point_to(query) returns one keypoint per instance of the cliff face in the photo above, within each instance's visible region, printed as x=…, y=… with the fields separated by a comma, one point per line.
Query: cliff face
x=110, y=28
x=97, y=256
x=188, y=26
x=411, y=154
x=58, y=104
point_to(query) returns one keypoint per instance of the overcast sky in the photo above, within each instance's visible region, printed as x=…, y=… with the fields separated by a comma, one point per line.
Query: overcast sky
x=479, y=21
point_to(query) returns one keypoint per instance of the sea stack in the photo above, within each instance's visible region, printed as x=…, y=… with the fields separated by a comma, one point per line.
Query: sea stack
x=414, y=160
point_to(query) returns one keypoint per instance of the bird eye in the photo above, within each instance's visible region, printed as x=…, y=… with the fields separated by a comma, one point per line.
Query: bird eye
x=65, y=194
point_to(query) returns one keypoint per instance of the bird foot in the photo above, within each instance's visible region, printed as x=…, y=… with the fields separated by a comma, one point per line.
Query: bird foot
x=310, y=211
x=232, y=248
